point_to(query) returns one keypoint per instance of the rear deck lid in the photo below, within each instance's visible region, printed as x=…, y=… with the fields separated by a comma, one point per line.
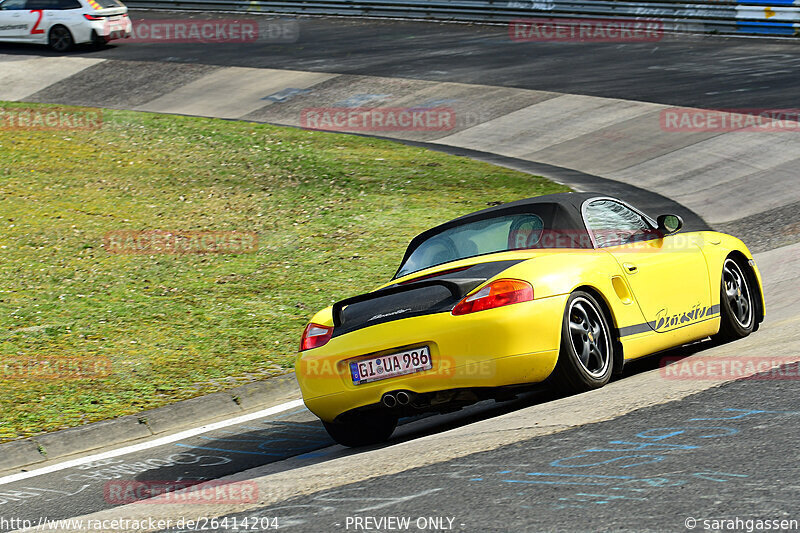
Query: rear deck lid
x=431, y=294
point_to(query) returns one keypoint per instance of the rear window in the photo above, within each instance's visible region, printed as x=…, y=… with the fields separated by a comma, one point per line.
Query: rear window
x=109, y=3
x=497, y=234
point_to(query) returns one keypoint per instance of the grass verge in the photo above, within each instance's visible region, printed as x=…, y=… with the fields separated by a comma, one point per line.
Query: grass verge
x=333, y=214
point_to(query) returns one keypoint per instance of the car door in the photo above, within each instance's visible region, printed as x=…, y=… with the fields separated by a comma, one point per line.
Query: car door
x=667, y=275
x=13, y=25
x=40, y=15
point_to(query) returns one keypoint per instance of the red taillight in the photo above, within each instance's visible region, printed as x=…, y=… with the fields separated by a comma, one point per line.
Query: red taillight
x=315, y=336
x=91, y=17
x=496, y=294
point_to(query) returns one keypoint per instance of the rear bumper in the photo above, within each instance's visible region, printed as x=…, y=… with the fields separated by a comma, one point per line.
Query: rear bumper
x=504, y=346
x=121, y=29
x=524, y=368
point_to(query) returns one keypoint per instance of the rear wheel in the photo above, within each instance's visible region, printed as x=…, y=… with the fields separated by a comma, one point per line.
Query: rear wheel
x=98, y=40
x=586, y=359
x=737, y=306
x=362, y=429
x=60, y=39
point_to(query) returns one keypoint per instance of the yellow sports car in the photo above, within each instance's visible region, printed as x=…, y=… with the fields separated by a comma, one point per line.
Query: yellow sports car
x=565, y=287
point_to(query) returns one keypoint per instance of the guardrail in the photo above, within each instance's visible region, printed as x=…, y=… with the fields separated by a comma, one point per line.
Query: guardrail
x=760, y=17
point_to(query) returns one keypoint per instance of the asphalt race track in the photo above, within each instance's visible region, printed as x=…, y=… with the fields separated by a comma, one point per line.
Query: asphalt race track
x=650, y=470
x=294, y=433
x=649, y=452
x=698, y=71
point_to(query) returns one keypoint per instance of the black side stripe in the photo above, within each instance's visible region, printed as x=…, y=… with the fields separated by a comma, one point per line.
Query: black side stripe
x=635, y=329
x=650, y=326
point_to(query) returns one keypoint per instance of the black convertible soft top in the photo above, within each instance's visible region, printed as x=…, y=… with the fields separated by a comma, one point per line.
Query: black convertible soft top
x=561, y=213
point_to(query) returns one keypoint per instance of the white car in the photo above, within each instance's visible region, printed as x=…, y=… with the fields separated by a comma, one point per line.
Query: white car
x=63, y=23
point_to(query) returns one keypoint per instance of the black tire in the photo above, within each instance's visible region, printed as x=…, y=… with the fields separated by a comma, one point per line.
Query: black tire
x=737, y=303
x=362, y=429
x=98, y=40
x=60, y=39
x=586, y=358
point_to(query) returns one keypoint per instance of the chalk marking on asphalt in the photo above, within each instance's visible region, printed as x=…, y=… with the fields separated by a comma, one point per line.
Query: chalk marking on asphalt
x=538, y=482
x=272, y=454
x=577, y=475
x=169, y=439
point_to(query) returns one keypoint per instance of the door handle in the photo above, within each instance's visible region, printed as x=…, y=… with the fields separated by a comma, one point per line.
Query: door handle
x=631, y=268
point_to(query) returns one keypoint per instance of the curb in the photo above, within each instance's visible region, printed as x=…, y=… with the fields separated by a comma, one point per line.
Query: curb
x=194, y=412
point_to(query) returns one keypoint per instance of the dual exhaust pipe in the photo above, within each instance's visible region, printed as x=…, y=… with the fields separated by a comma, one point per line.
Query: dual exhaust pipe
x=396, y=399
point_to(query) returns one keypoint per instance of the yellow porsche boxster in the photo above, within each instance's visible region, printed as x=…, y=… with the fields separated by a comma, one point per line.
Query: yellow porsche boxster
x=564, y=287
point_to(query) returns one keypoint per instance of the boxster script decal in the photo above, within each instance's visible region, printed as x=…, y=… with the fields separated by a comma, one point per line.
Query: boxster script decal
x=665, y=321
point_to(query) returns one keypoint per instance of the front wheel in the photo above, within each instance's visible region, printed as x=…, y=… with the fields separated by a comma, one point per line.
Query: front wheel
x=362, y=429
x=737, y=304
x=586, y=358
x=60, y=39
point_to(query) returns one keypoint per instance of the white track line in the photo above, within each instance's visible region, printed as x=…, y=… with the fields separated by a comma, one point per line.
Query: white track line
x=153, y=443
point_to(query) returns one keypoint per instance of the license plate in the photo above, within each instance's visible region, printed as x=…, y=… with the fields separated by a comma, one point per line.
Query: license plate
x=391, y=366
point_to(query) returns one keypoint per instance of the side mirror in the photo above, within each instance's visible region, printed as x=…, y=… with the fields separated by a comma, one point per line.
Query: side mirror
x=669, y=224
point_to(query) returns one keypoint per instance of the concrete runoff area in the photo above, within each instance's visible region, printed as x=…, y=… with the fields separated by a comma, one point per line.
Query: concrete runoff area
x=21, y=77
x=467, y=105
x=610, y=149
x=204, y=96
x=739, y=164
x=724, y=176
x=121, y=85
x=542, y=125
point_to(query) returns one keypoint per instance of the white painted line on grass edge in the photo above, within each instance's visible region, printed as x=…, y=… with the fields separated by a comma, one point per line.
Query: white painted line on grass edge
x=153, y=443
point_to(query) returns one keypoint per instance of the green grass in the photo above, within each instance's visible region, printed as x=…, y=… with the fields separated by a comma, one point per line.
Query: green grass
x=333, y=214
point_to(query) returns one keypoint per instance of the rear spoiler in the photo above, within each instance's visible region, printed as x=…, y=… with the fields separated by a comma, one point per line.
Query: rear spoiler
x=458, y=287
